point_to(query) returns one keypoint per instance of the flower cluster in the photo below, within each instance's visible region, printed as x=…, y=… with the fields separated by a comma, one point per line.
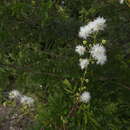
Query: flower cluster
x=96, y=51
x=85, y=97
x=27, y=100
x=92, y=27
x=15, y=94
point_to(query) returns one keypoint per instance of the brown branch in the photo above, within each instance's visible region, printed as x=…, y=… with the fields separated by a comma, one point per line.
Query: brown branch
x=73, y=110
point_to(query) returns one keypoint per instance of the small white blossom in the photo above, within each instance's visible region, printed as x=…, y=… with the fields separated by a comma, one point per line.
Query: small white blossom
x=80, y=50
x=27, y=100
x=14, y=94
x=102, y=59
x=85, y=31
x=98, y=24
x=98, y=52
x=40, y=86
x=121, y=1
x=84, y=63
x=85, y=97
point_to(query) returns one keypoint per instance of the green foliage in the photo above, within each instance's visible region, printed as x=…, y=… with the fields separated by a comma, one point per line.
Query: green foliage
x=37, y=43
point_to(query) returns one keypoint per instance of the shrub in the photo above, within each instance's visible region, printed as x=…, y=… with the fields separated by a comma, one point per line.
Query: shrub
x=37, y=57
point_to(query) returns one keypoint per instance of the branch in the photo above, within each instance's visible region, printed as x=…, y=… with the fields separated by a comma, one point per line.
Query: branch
x=73, y=110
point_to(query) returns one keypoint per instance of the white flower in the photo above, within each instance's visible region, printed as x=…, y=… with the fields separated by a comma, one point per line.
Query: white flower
x=27, y=100
x=98, y=24
x=121, y=1
x=80, y=49
x=98, y=52
x=40, y=86
x=85, y=31
x=94, y=26
x=102, y=59
x=83, y=63
x=14, y=94
x=85, y=97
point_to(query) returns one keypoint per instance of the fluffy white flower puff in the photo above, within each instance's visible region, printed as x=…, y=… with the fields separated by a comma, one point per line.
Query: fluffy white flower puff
x=83, y=63
x=98, y=52
x=85, y=97
x=14, y=94
x=80, y=50
x=94, y=26
x=27, y=100
x=121, y=1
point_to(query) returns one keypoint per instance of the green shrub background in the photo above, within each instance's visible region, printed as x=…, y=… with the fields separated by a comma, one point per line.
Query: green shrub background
x=37, y=47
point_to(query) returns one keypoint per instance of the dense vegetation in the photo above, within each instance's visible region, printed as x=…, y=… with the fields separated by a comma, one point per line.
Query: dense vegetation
x=37, y=58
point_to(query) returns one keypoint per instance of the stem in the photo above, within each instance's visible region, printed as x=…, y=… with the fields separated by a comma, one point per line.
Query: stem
x=73, y=109
x=82, y=81
x=95, y=36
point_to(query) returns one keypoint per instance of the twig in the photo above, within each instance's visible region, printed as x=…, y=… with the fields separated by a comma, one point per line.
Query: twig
x=73, y=110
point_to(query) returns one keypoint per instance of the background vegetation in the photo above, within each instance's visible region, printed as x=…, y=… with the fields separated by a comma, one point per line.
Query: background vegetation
x=37, y=43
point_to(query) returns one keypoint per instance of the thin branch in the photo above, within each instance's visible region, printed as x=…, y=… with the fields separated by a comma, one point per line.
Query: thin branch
x=73, y=110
